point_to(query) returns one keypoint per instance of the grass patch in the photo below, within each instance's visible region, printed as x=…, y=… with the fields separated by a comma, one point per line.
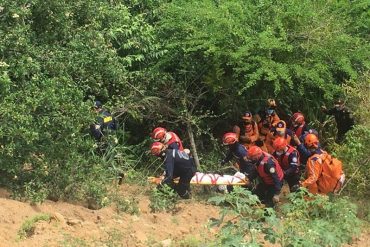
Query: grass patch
x=28, y=227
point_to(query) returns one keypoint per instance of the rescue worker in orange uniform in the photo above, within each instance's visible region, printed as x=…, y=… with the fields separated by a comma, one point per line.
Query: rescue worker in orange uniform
x=298, y=124
x=266, y=120
x=168, y=138
x=288, y=158
x=247, y=132
x=314, y=163
x=271, y=174
x=279, y=130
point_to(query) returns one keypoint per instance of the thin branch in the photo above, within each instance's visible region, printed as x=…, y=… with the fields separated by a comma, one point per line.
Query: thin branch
x=353, y=175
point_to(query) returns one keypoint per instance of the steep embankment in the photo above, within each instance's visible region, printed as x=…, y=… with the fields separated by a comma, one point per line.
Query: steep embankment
x=74, y=225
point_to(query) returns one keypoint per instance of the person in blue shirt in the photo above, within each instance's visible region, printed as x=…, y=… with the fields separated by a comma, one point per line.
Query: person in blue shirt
x=240, y=153
x=304, y=152
x=104, y=122
x=177, y=164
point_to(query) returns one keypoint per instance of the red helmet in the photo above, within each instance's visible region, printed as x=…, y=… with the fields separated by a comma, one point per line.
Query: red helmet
x=247, y=116
x=157, y=148
x=311, y=140
x=159, y=133
x=254, y=153
x=229, y=138
x=297, y=118
x=280, y=143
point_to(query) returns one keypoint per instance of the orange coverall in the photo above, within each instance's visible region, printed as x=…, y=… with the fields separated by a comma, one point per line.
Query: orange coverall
x=313, y=172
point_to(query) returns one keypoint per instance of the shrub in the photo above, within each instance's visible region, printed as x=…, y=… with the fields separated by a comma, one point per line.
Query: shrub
x=28, y=226
x=163, y=199
x=306, y=220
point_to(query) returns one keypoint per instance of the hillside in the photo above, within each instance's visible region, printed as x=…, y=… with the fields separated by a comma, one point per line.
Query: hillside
x=75, y=225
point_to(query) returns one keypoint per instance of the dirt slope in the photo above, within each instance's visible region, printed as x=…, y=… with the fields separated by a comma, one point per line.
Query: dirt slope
x=74, y=225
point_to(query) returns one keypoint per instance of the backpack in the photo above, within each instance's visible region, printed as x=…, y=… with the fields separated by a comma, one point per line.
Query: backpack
x=332, y=176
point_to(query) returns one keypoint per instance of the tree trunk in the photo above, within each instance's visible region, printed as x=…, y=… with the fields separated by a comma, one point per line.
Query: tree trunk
x=192, y=144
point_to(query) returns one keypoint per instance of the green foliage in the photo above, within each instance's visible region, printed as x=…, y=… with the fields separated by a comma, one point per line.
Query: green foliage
x=306, y=220
x=191, y=241
x=28, y=226
x=242, y=218
x=236, y=48
x=354, y=151
x=317, y=221
x=130, y=206
x=163, y=199
x=56, y=56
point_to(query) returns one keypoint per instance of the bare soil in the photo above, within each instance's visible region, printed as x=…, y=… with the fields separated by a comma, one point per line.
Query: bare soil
x=75, y=225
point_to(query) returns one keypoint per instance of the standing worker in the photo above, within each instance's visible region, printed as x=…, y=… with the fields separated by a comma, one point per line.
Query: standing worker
x=104, y=122
x=247, y=132
x=343, y=118
x=271, y=174
x=288, y=158
x=298, y=124
x=324, y=174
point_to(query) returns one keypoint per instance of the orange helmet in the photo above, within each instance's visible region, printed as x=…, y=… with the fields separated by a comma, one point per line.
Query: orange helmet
x=297, y=118
x=157, y=148
x=229, y=138
x=280, y=143
x=247, y=116
x=254, y=153
x=311, y=140
x=159, y=133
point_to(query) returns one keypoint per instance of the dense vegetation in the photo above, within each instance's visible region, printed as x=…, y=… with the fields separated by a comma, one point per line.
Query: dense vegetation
x=191, y=66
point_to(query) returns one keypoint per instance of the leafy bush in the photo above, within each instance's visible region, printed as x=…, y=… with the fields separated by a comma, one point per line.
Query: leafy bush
x=354, y=152
x=57, y=57
x=315, y=220
x=129, y=206
x=242, y=218
x=306, y=220
x=28, y=226
x=163, y=199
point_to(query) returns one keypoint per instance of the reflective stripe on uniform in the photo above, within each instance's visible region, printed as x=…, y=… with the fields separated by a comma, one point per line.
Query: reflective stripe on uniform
x=107, y=119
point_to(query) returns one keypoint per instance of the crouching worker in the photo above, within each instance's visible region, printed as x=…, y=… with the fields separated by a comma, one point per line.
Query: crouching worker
x=239, y=152
x=271, y=174
x=177, y=164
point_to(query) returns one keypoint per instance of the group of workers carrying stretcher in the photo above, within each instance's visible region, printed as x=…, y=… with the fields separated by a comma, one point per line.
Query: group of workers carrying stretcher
x=265, y=149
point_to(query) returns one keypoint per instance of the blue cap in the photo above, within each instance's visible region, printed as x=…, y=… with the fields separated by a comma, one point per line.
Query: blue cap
x=98, y=104
x=270, y=111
